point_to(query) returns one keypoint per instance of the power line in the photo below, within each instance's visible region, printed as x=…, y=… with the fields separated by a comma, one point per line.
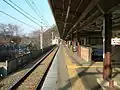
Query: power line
x=39, y=11
x=21, y=12
x=16, y=19
x=31, y=6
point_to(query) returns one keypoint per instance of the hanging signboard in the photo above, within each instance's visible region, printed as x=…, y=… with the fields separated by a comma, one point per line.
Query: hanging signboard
x=115, y=41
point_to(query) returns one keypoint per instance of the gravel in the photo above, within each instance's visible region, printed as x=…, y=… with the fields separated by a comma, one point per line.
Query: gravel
x=13, y=77
x=8, y=81
x=32, y=81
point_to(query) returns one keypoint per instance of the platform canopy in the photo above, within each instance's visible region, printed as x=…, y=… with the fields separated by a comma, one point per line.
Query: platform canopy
x=84, y=17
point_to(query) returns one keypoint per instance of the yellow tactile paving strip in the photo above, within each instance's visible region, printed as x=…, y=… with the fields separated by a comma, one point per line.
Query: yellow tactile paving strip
x=76, y=82
x=76, y=67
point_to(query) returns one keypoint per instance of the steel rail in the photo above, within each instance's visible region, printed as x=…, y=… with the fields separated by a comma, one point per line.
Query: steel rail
x=41, y=81
x=21, y=80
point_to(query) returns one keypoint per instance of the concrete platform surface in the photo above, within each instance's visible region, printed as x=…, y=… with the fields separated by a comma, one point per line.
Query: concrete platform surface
x=69, y=72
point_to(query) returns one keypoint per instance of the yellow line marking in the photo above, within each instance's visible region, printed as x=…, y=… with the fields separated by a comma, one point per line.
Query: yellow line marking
x=75, y=66
x=74, y=78
x=99, y=62
x=71, y=52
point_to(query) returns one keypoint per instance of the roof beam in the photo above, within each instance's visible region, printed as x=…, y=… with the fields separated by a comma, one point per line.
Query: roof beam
x=58, y=10
x=63, y=22
x=87, y=10
x=90, y=34
x=70, y=14
x=115, y=26
x=63, y=7
x=68, y=10
x=91, y=19
x=91, y=27
x=81, y=1
x=107, y=5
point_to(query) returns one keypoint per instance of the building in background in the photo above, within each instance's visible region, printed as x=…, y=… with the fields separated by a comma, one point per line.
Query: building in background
x=55, y=40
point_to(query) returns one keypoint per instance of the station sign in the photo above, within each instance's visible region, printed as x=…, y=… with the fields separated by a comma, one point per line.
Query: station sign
x=115, y=41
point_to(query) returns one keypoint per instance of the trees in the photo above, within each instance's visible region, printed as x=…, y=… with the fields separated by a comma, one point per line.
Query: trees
x=47, y=37
x=9, y=32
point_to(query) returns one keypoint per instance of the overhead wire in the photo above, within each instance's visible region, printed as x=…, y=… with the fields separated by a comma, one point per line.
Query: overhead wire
x=32, y=7
x=39, y=12
x=21, y=13
x=23, y=10
x=16, y=19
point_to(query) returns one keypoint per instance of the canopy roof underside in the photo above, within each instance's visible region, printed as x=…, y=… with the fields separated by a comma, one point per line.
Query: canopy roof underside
x=84, y=16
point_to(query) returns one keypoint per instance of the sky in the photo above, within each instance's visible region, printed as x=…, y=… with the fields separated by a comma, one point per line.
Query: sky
x=43, y=7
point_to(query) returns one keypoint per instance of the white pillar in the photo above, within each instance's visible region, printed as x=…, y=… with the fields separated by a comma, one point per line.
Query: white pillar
x=84, y=40
x=41, y=38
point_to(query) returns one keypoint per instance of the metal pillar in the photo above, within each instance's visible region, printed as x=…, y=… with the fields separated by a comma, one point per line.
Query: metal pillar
x=69, y=43
x=78, y=45
x=75, y=40
x=87, y=40
x=78, y=49
x=72, y=41
x=107, y=28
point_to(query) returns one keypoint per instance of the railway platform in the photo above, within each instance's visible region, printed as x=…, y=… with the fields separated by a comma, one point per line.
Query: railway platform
x=62, y=69
x=69, y=72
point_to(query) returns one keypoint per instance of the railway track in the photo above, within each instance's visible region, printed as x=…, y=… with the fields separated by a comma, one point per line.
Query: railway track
x=35, y=77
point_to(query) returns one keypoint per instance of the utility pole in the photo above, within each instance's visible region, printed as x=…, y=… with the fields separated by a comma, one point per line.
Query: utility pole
x=41, y=39
x=52, y=37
